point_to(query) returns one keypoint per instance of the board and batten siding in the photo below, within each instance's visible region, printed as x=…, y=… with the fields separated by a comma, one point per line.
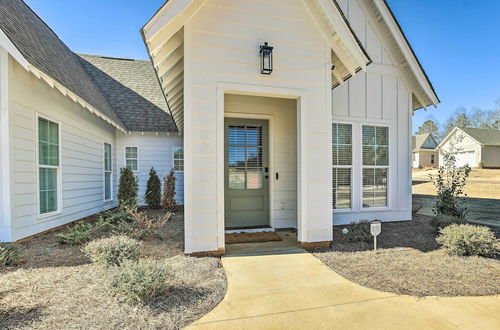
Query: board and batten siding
x=221, y=48
x=378, y=97
x=82, y=139
x=152, y=151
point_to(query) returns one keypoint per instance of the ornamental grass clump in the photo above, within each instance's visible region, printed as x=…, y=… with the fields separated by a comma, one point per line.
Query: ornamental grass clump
x=10, y=255
x=112, y=251
x=469, y=240
x=139, y=281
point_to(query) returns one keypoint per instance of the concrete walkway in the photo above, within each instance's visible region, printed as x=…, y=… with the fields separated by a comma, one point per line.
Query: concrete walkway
x=294, y=290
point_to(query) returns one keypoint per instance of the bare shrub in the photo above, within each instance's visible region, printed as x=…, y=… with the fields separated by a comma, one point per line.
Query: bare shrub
x=10, y=255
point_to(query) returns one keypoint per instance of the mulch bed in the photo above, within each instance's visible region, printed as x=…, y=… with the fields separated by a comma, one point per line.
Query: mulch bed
x=410, y=262
x=57, y=288
x=252, y=237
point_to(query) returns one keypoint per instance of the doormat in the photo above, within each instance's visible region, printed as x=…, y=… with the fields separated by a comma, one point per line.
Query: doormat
x=252, y=237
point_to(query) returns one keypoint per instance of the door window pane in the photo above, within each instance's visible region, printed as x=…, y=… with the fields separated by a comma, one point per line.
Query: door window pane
x=236, y=178
x=254, y=178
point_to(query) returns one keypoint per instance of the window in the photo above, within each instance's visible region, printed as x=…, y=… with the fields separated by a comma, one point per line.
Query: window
x=342, y=165
x=48, y=166
x=432, y=159
x=178, y=159
x=108, y=172
x=131, y=158
x=375, y=165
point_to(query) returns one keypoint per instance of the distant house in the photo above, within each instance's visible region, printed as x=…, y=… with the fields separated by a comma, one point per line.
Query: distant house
x=424, y=150
x=472, y=146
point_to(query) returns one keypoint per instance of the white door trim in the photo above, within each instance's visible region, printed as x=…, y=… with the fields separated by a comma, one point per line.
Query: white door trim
x=266, y=91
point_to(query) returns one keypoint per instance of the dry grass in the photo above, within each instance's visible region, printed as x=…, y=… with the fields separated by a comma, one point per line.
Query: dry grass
x=409, y=262
x=56, y=287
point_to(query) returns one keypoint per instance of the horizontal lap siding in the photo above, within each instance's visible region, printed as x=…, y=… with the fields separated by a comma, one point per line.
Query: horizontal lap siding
x=82, y=139
x=222, y=44
x=379, y=96
x=153, y=151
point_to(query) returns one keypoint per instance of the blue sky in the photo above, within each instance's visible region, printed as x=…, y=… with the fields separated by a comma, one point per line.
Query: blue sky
x=457, y=41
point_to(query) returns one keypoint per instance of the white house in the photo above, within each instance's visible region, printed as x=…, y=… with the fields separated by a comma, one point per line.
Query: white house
x=293, y=113
x=68, y=123
x=472, y=146
x=424, y=151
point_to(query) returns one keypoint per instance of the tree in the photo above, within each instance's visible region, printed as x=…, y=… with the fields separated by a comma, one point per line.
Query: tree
x=127, y=190
x=168, y=200
x=458, y=119
x=153, y=190
x=429, y=126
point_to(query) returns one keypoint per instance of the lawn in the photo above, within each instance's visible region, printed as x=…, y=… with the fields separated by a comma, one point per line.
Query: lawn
x=410, y=262
x=482, y=189
x=57, y=287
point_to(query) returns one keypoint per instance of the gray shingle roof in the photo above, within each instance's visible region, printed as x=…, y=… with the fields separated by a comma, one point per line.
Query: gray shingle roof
x=488, y=137
x=132, y=89
x=418, y=140
x=41, y=47
x=126, y=91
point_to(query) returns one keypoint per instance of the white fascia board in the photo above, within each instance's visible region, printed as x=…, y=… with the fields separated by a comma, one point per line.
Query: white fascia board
x=453, y=131
x=405, y=48
x=68, y=93
x=6, y=44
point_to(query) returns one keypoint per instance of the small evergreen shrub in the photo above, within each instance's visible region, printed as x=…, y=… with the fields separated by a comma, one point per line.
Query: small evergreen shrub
x=359, y=232
x=76, y=234
x=10, y=255
x=139, y=281
x=127, y=190
x=153, y=190
x=168, y=200
x=441, y=221
x=450, y=182
x=468, y=240
x=116, y=215
x=112, y=251
x=481, y=164
x=420, y=166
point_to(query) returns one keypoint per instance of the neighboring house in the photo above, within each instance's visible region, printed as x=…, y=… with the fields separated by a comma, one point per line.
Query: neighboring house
x=68, y=123
x=424, y=151
x=472, y=146
x=292, y=114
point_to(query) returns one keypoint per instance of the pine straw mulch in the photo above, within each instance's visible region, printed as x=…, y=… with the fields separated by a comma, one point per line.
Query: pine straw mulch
x=410, y=262
x=56, y=287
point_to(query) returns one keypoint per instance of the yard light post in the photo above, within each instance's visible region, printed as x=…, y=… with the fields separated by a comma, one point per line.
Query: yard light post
x=266, y=59
x=375, y=229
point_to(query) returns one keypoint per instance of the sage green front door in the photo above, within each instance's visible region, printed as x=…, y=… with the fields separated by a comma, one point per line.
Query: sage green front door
x=246, y=169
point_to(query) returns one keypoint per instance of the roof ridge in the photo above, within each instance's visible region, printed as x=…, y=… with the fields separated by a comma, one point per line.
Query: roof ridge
x=114, y=57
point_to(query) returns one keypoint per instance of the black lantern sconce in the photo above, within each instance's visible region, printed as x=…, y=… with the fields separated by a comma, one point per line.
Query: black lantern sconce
x=266, y=59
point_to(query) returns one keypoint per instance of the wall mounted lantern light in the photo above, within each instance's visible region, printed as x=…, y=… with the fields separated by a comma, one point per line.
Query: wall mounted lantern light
x=266, y=59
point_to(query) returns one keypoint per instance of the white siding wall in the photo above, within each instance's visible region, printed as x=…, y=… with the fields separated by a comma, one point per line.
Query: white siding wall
x=378, y=97
x=221, y=46
x=153, y=151
x=461, y=143
x=284, y=148
x=82, y=136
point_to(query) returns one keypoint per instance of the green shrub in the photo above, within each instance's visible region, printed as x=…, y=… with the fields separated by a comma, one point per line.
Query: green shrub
x=116, y=215
x=467, y=240
x=441, y=221
x=76, y=234
x=420, y=166
x=127, y=189
x=10, y=255
x=112, y=251
x=359, y=232
x=481, y=164
x=153, y=190
x=450, y=182
x=138, y=281
x=168, y=200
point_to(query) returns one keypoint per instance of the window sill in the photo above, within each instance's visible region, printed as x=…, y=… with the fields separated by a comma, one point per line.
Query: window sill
x=48, y=215
x=343, y=210
x=370, y=209
x=108, y=201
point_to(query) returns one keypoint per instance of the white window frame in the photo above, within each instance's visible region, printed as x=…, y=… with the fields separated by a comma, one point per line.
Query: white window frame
x=351, y=167
x=104, y=171
x=387, y=167
x=58, y=168
x=174, y=159
x=125, y=157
